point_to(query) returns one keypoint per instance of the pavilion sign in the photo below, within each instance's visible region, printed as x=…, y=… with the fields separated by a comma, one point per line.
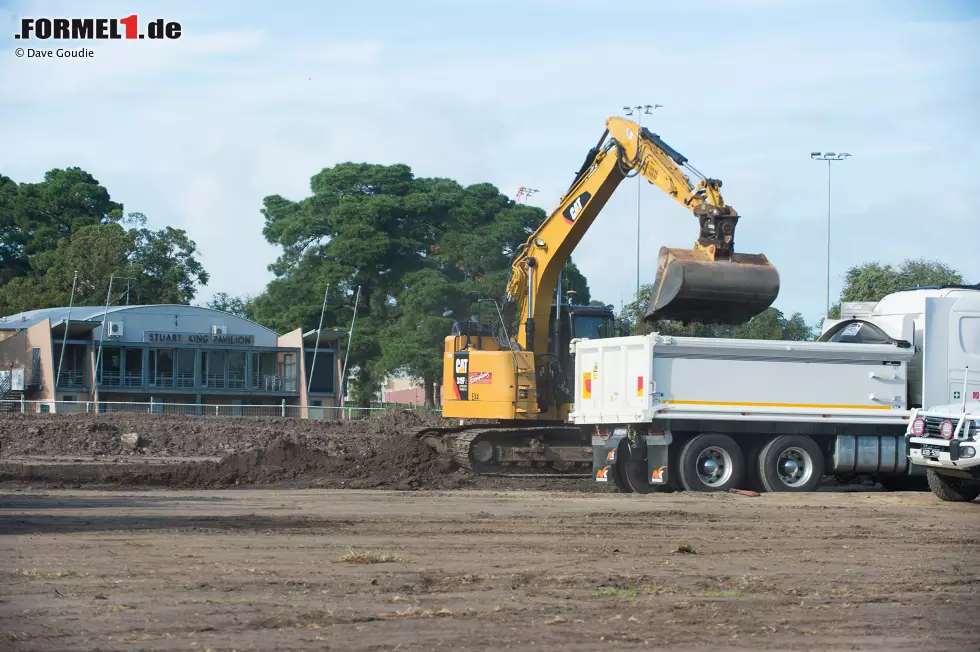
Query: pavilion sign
x=206, y=339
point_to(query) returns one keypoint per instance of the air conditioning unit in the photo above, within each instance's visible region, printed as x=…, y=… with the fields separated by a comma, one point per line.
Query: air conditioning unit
x=115, y=329
x=219, y=329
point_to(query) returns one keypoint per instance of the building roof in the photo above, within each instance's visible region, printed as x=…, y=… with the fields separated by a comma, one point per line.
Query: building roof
x=94, y=314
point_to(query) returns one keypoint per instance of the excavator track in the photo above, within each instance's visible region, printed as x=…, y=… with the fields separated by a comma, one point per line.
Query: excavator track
x=515, y=451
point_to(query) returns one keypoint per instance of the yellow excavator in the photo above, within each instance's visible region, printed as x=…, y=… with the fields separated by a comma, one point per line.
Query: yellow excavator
x=513, y=392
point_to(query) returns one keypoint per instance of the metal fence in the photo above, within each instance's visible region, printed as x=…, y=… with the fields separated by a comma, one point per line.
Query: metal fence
x=196, y=409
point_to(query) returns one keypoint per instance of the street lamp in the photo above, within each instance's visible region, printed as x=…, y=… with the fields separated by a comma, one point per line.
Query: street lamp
x=641, y=110
x=830, y=157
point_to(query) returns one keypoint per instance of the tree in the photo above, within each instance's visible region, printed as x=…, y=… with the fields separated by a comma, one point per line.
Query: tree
x=240, y=306
x=873, y=281
x=417, y=247
x=150, y=266
x=35, y=217
x=366, y=226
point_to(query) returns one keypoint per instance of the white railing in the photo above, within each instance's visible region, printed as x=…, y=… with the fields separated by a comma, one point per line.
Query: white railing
x=329, y=413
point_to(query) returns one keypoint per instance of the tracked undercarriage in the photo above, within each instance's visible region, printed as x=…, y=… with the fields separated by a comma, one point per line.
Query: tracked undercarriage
x=506, y=449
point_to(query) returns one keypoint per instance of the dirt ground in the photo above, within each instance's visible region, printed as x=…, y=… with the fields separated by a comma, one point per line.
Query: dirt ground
x=249, y=569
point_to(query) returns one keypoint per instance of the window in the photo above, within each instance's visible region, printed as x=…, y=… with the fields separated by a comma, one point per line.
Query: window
x=323, y=372
x=111, y=367
x=289, y=371
x=134, y=368
x=213, y=369
x=236, y=370
x=185, y=368
x=161, y=367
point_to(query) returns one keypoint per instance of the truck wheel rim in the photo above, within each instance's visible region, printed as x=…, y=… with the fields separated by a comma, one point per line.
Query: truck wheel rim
x=714, y=466
x=794, y=467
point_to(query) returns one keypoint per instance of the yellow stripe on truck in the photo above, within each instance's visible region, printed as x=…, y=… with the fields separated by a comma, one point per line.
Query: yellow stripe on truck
x=785, y=405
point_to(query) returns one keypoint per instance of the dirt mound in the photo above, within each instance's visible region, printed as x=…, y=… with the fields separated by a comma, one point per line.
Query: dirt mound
x=397, y=462
x=381, y=452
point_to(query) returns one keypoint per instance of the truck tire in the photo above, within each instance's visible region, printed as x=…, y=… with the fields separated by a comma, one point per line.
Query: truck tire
x=791, y=463
x=711, y=462
x=952, y=489
x=619, y=470
x=631, y=471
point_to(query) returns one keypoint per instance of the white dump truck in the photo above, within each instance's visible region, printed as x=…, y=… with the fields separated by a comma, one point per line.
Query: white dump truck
x=702, y=414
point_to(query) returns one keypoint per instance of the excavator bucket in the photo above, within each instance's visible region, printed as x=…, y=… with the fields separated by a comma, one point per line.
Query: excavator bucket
x=692, y=287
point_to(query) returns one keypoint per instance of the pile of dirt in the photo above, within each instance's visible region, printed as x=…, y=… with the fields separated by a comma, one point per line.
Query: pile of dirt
x=383, y=452
x=189, y=436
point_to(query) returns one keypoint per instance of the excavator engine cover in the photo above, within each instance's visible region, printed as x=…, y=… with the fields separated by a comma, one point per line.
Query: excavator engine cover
x=690, y=286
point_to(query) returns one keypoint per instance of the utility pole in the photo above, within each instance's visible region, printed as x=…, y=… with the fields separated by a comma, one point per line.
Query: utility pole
x=64, y=339
x=641, y=110
x=830, y=157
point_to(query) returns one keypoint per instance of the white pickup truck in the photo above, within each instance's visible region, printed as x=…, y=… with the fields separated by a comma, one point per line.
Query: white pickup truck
x=702, y=414
x=945, y=439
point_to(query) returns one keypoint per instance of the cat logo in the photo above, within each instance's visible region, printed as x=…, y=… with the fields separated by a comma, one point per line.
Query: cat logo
x=576, y=207
x=602, y=475
x=611, y=456
x=657, y=475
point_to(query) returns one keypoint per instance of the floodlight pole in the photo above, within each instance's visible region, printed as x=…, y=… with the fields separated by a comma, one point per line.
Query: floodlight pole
x=829, y=157
x=646, y=110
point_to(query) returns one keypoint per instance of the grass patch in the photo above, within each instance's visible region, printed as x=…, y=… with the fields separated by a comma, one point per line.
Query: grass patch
x=354, y=557
x=618, y=592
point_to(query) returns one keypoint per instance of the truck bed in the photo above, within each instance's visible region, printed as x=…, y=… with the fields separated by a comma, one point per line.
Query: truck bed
x=638, y=379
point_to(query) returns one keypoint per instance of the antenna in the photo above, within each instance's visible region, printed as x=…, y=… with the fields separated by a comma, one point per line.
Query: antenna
x=966, y=374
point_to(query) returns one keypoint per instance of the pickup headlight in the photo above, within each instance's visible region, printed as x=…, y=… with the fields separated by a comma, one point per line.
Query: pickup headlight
x=966, y=452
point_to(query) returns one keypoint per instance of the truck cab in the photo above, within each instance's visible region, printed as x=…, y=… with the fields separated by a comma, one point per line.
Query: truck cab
x=943, y=325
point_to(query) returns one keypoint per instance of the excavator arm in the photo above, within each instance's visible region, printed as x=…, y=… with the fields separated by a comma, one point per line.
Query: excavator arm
x=708, y=283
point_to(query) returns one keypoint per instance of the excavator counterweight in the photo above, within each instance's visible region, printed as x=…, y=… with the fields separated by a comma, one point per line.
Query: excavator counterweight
x=691, y=286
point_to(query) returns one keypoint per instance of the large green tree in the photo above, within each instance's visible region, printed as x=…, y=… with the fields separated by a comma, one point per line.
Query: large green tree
x=365, y=226
x=36, y=217
x=416, y=247
x=69, y=223
x=873, y=281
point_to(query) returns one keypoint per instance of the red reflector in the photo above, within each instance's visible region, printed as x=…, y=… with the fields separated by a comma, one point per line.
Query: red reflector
x=946, y=429
x=918, y=426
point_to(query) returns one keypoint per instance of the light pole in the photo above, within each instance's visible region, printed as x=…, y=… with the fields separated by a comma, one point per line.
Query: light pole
x=524, y=192
x=830, y=157
x=641, y=110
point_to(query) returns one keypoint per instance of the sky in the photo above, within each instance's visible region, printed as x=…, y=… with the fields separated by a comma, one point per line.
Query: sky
x=255, y=98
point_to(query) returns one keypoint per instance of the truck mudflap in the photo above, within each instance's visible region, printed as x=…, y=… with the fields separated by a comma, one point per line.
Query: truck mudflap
x=616, y=460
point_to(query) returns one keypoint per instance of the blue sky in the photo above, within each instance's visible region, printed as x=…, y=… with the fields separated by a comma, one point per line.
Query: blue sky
x=255, y=98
